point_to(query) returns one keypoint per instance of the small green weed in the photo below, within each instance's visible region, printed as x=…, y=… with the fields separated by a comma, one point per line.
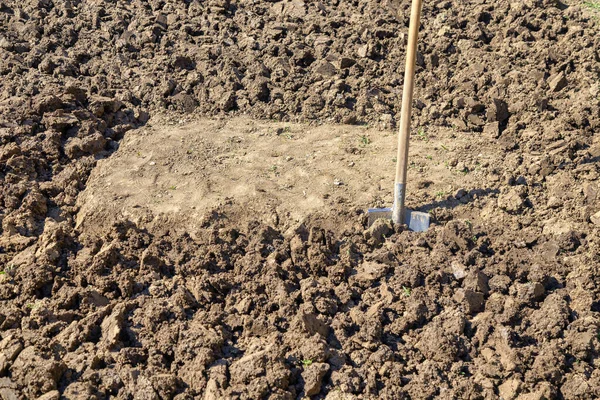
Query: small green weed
x=173, y=187
x=406, y=291
x=429, y=157
x=440, y=194
x=307, y=363
x=33, y=306
x=593, y=4
x=286, y=132
x=422, y=135
x=444, y=147
x=364, y=140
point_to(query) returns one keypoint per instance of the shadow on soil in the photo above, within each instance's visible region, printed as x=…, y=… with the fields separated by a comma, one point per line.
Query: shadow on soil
x=452, y=202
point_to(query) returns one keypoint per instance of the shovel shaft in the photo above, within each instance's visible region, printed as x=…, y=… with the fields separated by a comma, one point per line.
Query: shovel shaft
x=405, y=113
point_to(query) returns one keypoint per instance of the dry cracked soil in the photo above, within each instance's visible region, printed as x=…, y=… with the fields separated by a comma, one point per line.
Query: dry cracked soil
x=183, y=187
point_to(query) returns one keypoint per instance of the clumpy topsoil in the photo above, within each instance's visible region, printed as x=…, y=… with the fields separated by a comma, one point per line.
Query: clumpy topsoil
x=504, y=304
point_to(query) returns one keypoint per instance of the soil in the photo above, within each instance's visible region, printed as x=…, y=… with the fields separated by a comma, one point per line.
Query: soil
x=180, y=218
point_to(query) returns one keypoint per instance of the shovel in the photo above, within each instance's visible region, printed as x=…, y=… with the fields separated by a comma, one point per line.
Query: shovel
x=416, y=221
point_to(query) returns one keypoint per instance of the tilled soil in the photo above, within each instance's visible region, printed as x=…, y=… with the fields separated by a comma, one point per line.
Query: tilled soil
x=507, y=308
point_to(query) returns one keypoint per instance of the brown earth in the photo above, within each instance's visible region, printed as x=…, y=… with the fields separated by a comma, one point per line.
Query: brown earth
x=263, y=291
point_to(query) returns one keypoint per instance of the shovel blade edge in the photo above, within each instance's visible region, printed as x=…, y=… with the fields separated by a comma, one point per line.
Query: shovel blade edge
x=416, y=221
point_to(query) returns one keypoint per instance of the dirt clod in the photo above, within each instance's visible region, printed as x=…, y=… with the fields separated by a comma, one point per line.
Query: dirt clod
x=471, y=300
x=313, y=376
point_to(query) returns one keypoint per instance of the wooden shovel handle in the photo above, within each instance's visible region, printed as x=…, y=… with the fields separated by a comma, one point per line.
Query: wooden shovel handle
x=398, y=212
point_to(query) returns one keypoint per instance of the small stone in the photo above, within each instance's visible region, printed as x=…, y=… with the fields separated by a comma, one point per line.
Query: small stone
x=152, y=162
x=351, y=164
x=363, y=51
x=557, y=82
x=595, y=218
x=509, y=389
x=458, y=270
x=313, y=377
x=337, y=182
x=5, y=44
